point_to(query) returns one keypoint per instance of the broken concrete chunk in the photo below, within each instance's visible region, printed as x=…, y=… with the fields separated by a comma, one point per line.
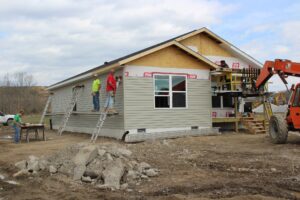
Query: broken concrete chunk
x=109, y=157
x=151, y=172
x=92, y=164
x=102, y=186
x=33, y=158
x=132, y=175
x=21, y=164
x=273, y=169
x=20, y=173
x=101, y=152
x=126, y=152
x=12, y=182
x=143, y=166
x=95, y=168
x=52, y=169
x=78, y=172
x=117, y=152
x=43, y=164
x=33, y=164
x=133, y=164
x=85, y=155
x=113, y=173
x=2, y=177
x=86, y=179
x=143, y=176
x=124, y=186
x=67, y=167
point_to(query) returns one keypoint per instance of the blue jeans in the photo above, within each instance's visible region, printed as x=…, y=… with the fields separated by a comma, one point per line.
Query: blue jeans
x=17, y=133
x=96, y=101
x=109, y=100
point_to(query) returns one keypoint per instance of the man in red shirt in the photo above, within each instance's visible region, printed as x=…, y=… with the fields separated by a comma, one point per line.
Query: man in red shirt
x=111, y=87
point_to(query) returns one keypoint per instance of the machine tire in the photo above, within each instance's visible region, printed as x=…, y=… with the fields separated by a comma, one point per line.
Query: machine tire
x=9, y=122
x=278, y=130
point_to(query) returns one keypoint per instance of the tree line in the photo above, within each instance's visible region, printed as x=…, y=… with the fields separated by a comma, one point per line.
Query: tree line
x=19, y=91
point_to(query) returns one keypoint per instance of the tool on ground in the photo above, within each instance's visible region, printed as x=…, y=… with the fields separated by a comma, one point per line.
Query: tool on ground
x=70, y=108
x=99, y=126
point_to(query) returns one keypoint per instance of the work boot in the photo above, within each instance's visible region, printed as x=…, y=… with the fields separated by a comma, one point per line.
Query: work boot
x=114, y=111
x=110, y=112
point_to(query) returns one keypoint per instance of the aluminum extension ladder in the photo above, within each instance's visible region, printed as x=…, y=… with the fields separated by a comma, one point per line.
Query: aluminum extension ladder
x=69, y=110
x=268, y=109
x=99, y=126
x=46, y=108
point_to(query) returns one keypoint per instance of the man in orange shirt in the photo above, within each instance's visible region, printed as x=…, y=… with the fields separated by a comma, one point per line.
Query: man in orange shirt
x=111, y=87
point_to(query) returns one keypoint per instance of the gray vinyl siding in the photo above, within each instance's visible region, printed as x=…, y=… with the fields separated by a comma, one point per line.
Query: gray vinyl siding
x=83, y=116
x=140, y=111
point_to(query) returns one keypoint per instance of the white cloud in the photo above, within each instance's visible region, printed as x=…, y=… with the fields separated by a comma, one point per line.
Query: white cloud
x=65, y=37
x=271, y=41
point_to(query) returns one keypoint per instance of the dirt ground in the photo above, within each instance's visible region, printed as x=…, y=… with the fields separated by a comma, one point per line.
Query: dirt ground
x=229, y=166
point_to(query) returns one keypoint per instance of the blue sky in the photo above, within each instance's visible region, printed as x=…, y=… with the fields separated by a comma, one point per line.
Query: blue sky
x=55, y=39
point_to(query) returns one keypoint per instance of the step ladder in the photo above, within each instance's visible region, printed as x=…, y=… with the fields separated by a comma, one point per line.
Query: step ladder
x=46, y=108
x=268, y=110
x=99, y=126
x=69, y=110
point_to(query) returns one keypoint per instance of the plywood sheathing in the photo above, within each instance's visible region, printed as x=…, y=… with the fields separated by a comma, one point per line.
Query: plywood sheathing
x=171, y=57
x=206, y=45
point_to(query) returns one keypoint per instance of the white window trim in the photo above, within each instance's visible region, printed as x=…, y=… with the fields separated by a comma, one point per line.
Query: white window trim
x=170, y=91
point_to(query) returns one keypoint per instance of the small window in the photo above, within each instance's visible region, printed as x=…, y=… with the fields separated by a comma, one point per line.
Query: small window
x=178, y=83
x=216, y=101
x=296, y=102
x=162, y=102
x=162, y=83
x=228, y=102
x=170, y=91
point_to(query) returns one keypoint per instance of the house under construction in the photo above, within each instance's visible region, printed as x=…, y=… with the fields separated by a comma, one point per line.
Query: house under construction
x=189, y=83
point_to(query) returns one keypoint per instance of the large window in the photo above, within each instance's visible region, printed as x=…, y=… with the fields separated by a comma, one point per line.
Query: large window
x=170, y=91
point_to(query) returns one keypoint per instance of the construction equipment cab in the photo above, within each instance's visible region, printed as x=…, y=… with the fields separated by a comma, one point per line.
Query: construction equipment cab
x=279, y=126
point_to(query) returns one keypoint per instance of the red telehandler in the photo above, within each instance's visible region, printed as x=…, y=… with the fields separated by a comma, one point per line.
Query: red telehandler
x=279, y=125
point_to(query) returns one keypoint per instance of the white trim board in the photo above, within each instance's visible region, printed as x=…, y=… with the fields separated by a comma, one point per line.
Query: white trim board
x=146, y=71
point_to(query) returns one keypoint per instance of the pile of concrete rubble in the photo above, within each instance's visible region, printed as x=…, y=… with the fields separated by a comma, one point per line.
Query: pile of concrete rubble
x=104, y=166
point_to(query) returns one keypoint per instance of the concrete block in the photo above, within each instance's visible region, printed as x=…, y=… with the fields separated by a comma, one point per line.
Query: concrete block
x=52, y=169
x=21, y=164
x=78, y=172
x=86, y=155
x=113, y=173
x=151, y=172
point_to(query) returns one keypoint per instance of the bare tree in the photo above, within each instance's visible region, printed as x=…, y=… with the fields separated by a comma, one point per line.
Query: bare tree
x=18, y=91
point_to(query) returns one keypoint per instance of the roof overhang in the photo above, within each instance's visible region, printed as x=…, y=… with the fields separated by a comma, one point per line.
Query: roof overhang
x=82, y=77
x=123, y=62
